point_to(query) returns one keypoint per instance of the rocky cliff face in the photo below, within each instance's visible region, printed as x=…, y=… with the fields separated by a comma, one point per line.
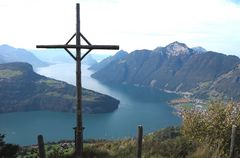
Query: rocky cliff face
x=21, y=89
x=174, y=67
x=176, y=49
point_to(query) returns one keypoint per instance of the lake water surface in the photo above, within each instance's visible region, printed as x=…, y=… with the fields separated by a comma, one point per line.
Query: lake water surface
x=139, y=106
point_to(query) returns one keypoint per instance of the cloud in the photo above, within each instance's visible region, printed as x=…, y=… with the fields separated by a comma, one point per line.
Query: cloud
x=133, y=24
x=186, y=20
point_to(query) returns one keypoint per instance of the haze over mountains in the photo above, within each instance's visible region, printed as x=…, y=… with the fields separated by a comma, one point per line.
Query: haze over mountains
x=60, y=56
x=39, y=58
x=175, y=68
x=11, y=54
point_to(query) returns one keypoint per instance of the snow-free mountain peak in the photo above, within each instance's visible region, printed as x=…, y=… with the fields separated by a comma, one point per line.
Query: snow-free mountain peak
x=199, y=50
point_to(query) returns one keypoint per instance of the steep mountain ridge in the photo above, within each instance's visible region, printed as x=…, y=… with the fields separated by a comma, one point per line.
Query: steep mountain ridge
x=118, y=56
x=199, y=49
x=174, y=68
x=21, y=89
x=225, y=86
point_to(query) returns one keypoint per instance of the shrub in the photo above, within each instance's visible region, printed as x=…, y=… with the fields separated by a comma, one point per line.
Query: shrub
x=7, y=150
x=212, y=126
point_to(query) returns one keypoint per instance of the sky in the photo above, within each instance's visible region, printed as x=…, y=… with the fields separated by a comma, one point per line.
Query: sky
x=132, y=24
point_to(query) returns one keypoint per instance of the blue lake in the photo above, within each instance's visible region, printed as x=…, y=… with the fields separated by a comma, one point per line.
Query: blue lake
x=139, y=106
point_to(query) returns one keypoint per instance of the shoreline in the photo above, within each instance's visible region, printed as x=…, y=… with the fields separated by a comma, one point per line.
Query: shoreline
x=184, y=103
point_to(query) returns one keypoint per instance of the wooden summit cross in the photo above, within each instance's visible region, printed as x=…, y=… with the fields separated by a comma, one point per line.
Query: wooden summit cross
x=78, y=58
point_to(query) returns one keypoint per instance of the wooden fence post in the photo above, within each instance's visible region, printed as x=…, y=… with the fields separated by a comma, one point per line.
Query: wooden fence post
x=233, y=137
x=41, y=147
x=139, y=141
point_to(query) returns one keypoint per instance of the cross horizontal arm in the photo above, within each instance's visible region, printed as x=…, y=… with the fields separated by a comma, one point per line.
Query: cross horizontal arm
x=112, y=47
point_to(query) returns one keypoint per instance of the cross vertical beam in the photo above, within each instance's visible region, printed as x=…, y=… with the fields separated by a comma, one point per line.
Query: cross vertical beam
x=79, y=130
x=78, y=58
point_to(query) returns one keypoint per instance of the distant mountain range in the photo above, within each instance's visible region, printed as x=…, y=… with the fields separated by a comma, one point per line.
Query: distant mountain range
x=175, y=68
x=60, y=56
x=21, y=89
x=11, y=54
x=39, y=58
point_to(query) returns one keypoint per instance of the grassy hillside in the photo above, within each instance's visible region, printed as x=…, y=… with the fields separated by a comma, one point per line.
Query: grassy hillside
x=21, y=89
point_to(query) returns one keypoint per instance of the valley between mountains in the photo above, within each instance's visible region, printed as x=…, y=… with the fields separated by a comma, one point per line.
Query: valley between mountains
x=21, y=89
x=175, y=68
